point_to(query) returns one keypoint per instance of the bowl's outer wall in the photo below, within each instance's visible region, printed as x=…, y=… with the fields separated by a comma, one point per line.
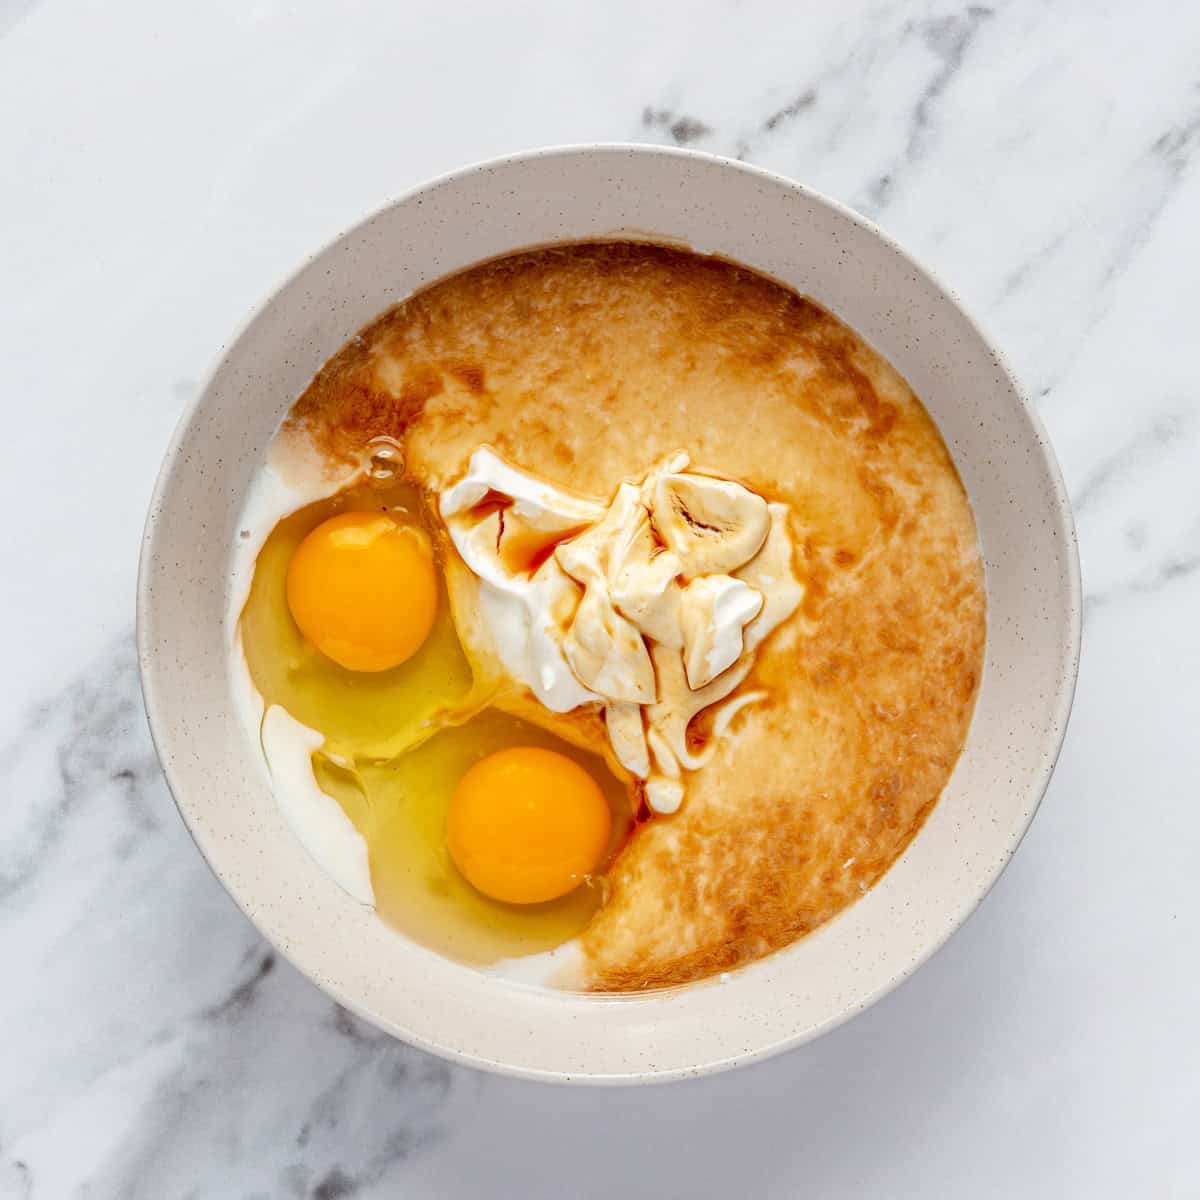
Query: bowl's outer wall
x=821, y=250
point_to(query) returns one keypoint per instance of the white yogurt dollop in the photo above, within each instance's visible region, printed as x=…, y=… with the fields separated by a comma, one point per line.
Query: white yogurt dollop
x=520, y=609
x=651, y=606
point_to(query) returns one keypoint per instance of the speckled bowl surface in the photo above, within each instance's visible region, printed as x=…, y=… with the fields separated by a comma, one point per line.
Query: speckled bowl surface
x=824, y=251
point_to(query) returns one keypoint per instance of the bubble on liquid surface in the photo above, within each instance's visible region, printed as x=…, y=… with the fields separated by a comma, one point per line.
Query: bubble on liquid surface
x=384, y=459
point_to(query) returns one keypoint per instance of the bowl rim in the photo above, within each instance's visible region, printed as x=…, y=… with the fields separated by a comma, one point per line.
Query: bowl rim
x=1036, y=786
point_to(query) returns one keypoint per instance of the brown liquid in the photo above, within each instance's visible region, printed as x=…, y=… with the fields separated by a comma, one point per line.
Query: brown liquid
x=585, y=365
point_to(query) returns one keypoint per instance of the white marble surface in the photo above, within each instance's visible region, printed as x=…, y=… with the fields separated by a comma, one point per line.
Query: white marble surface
x=165, y=165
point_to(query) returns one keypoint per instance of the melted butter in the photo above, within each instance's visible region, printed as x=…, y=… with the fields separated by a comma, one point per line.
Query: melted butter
x=395, y=745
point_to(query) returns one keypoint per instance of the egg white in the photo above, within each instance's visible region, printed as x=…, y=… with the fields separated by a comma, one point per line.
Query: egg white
x=284, y=746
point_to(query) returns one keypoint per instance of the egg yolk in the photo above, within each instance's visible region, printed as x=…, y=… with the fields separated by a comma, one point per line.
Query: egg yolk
x=527, y=825
x=362, y=588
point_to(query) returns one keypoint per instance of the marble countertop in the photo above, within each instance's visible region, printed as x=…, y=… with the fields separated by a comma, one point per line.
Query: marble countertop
x=166, y=165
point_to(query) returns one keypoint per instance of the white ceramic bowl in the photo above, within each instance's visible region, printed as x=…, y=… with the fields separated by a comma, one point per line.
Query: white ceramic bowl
x=824, y=251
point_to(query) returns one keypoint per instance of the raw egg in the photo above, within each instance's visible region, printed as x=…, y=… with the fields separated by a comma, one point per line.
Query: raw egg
x=398, y=742
x=361, y=587
x=376, y=714
x=527, y=825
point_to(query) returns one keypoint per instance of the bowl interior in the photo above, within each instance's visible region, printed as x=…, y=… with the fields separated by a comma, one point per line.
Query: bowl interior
x=819, y=249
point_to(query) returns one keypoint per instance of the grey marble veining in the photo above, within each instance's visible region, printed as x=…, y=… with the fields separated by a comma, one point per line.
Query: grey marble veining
x=1042, y=157
x=193, y=1022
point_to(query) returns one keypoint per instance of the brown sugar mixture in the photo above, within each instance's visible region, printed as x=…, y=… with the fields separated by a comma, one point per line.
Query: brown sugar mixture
x=586, y=364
